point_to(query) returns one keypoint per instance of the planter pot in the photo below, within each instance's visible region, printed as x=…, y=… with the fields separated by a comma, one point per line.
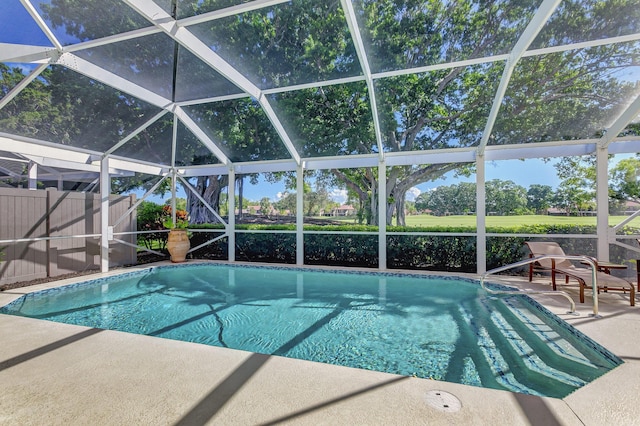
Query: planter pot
x=178, y=245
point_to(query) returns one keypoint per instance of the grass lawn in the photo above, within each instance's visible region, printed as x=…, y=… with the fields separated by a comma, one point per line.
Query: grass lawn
x=509, y=221
x=506, y=221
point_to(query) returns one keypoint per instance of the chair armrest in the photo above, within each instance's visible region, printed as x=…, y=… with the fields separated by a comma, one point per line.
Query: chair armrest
x=595, y=262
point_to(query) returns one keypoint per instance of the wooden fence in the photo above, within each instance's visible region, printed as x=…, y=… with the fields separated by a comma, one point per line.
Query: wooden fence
x=50, y=213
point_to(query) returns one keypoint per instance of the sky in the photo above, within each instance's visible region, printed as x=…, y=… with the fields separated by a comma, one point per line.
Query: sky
x=16, y=23
x=524, y=173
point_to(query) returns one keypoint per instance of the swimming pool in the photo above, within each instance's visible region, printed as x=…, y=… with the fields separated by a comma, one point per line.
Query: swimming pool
x=443, y=328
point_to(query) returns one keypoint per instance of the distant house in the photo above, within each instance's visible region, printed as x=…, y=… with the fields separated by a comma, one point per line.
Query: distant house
x=343, y=210
x=255, y=209
x=631, y=207
x=553, y=211
x=248, y=210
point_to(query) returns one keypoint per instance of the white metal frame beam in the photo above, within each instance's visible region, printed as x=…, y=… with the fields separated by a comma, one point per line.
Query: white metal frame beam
x=54, y=155
x=201, y=135
x=10, y=52
x=481, y=216
x=43, y=25
x=602, y=202
x=542, y=15
x=354, y=29
x=161, y=19
x=621, y=122
x=24, y=83
x=106, y=231
x=382, y=215
x=230, y=11
x=300, y=215
x=95, y=72
x=10, y=174
x=139, y=201
x=199, y=197
x=33, y=175
x=135, y=132
x=231, y=225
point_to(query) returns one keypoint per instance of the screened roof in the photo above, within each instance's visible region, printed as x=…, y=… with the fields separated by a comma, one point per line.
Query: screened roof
x=267, y=85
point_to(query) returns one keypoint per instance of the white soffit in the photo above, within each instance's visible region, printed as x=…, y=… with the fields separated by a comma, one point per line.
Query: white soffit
x=48, y=154
x=42, y=149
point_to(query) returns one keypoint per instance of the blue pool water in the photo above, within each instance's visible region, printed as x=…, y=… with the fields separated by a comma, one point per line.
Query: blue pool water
x=442, y=328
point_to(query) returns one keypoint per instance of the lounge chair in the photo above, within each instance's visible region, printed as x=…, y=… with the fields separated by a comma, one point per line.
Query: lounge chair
x=564, y=267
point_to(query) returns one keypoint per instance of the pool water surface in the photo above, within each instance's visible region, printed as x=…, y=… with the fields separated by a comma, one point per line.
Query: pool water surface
x=442, y=328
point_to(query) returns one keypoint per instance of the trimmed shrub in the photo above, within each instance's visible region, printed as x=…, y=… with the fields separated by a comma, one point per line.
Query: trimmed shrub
x=454, y=253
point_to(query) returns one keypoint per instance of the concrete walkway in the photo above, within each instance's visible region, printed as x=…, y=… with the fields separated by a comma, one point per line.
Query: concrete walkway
x=58, y=374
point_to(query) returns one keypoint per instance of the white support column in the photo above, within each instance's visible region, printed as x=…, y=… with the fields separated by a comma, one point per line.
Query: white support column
x=382, y=215
x=174, y=178
x=231, y=225
x=300, y=215
x=33, y=175
x=106, y=231
x=481, y=212
x=602, y=202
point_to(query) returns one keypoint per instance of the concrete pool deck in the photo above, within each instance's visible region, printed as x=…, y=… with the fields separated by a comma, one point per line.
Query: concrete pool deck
x=54, y=373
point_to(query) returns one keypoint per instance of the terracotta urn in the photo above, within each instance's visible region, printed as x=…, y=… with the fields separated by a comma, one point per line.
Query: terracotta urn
x=178, y=245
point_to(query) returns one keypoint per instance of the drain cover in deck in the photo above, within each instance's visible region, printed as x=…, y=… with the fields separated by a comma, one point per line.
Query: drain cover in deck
x=443, y=401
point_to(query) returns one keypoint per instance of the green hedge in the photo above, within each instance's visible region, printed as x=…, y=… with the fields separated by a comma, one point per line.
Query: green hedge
x=341, y=250
x=434, y=253
x=406, y=251
x=277, y=248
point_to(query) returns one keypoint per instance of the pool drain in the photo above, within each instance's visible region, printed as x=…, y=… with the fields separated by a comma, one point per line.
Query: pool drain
x=443, y=401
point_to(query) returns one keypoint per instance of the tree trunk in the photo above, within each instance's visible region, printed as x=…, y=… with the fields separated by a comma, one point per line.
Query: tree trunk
x=390, y=209
x=367, y=190
x=398, y=182
x=400, y=216
x=209, y=188
x=373, y=207
x=240, y=197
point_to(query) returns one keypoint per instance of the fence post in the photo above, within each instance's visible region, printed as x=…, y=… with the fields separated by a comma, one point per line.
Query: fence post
x=47, y=214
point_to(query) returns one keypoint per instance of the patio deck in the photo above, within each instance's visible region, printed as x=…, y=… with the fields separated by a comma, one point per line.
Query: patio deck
x=62, y=374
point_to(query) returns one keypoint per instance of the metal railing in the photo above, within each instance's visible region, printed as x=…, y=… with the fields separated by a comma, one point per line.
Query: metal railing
x=583, y=259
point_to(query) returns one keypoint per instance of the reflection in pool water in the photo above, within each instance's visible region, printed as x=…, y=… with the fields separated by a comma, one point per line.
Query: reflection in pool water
x=443, y=328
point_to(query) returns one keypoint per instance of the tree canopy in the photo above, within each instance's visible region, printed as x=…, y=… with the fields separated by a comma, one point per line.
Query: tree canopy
x=320, y=91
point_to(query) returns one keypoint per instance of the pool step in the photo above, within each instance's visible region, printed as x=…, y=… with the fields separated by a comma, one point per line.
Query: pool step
x=492, y=355
x=552, y=339
x=563, y=348
x=525, y=349
x=541, y=350
x=529, y=357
